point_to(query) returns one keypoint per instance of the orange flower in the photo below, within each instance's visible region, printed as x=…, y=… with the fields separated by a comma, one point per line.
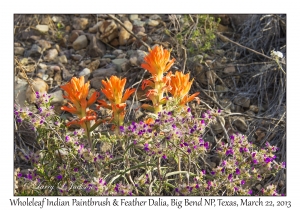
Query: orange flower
x=77, y=92
x=149, y=121
x=158, y=62
x=180, y=86
x=113, y=90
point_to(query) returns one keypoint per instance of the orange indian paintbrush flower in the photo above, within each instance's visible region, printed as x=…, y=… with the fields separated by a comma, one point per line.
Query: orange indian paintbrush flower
x=157, y=62
x=113, y=90
x=77, y=92
x=180, y=86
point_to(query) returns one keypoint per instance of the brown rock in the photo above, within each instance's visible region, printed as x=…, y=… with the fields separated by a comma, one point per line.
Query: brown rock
x=240, y=124
x=44, y=44
x=108, y=31
x=57, y=78
x=96, y=82
x=216, y=126
x=254, y=108
x=80, y=23
x=38, y=85
x=51, y=55
x=242, y=101
x=96, y=48
x=94, y=65
x=123, y=34
x=66, y=75
x=80, y=43
x=95, y=28
x=229, y=69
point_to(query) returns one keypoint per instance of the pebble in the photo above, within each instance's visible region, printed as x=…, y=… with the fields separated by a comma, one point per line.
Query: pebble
x=80, y=43
x=151, y=22
x=95, y=48
x=133, y=17
x=139, y=23
x=57, y=19
x=76, y=57
x=42, y=28
x=80, y=23
x=85, y=72
x=62, y=59
x=42, y=66
x=120, y=63
x=19, y=50
x=43, y=44
x=51, y=55
x=96, y=82
x=34, y=51
x=105, y=72
x=57, y=97
x=124, y=35
x=38, y=85
x=229, y=69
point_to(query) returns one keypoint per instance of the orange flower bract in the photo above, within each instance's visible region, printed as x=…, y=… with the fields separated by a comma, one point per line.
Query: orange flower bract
x=158, y=62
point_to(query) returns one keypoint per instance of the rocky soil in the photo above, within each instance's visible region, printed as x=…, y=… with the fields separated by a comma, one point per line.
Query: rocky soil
x=236, y=74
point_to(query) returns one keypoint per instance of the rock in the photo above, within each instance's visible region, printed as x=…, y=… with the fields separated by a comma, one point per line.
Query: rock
x=85, y=72
x=52, y=70
x=216, y=126
x=76, y=57
x=95, y=28
x=133, y=17
x=260, y=134
x=42, y=66
x=19, y=50
x=43, y=44
x=73, y=36
x=123, y=34
x=80, y=43
x=108, y=31
x=152, y=22
x=57, y=19
x=42, y=28
x=51, y=55
x=80, y=23
x=96, y=82
x=221, y=88
x=94, y=65
x=242, y=101
x=254, y=108
x=120, y=63
x=138, y=29
x=66, y=75
x=240, y=124
x=57, y=97
x=20, y=91
x=103, y=72
x=34, y=51
x=24, y=61
x=57, y=78
x=229, y=69
x=62, y=59
x=38, y=85
x=138, y=22
x=96, y=48
x=227, y=104
x=117, y=52
x=137, y=58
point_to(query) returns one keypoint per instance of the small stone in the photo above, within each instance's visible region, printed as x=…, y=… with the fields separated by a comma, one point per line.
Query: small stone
x=80, y=23
x=138, y=29
x=57, y=97
x=124, y=35
x=216, y=126
x=57, y=19
x=240, y=124
x=258, y=187
x=117, y=52
x=24, y=61
x=62, y=59
x=34, y=51
x=133, y=17
x=42, y=28
x=57, y=78
x=105, y=72
x=43, y=44
x=66, y=75
x=120, y=63
x=51, y=55
x=19, y=50
x=73, y=36
x=38, y=85
x=96, y=82
x=42, y=66
x=76, y=57
x=221, y=88
x=80, y=43
x=254, y=108
x=108, y=30
x=85, y=72
x=229, y=69
x=259, y=134
x=94, y=65
x=153, y=23
x=155, y=17
x=242, y=101
x=96, y=48
x=138, y=22
x=95, y=28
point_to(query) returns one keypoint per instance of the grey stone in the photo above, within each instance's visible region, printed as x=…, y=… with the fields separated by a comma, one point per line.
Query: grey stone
x=80, y=23
x=105, y=72
x=62, y=59
x=96, y=48
x=138, y=23
x=96, y=82
x=57, y=97
x=85, y=72
x=119, y=63
x=152, y=22
x=42, y=28
x=34, y=51
x=51, y=55
x=133, y=17
x=19, y=50
x=80, y=43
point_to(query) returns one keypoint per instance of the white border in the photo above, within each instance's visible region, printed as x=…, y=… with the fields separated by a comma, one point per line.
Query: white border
x=149, y=7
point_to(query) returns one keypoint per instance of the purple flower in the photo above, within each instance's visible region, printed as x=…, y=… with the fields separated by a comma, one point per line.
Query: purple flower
x=122, y=129
x=203, y=171
x=253, y=154
x=212, y=173
x=230, y=177
x=254, y=161
x=59, y=177
x=283, y=164
x=243, y=182
x=236, y=188
x=250, y=192
x=224, y=162
x=229, y=151
x=164, y=157
x=189, y=109
x=67, y=138
x=267, y=160
x=75, y=169
x=223, y=170
x=232, y=137
x=237, y=171
x=146, y=148
x=206, y=145
x=19, y=175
